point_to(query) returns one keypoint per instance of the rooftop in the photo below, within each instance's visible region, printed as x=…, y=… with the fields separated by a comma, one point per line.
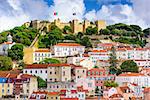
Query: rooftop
x=43, y=50
x=44, y=66
x=68, y=44
x=131, y=74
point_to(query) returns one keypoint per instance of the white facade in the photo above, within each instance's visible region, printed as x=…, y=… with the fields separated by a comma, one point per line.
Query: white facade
x=142, y=62
x=135, y=78
x=6, y=45
x=75, y=60
x=41, y=54
x=68, y=49
x=41, y=72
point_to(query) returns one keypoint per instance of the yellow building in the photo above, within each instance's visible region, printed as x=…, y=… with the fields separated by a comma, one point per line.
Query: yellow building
x=74, y=24
x=53, y=96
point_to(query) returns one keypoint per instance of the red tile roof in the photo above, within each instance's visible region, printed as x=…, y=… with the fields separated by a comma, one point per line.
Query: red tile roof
x=131, y=74
x=69, y=98
x=116, y=96
x=68, y=44
x=42, y=50
x=42, y=66
x=3, y=75
x=40, y=92
x=99, y=51
x=53, y=93
x=26, y=76
x=147, y=90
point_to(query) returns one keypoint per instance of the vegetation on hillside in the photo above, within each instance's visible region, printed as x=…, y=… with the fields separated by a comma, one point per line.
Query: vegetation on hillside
x=50, y=61
x=20, y=34
x=129, y=66
x=5, y=63
x=110, y=84
x=41, y=83
x=16, y=52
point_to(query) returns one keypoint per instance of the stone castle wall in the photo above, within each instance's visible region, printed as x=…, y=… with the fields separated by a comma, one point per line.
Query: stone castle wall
x=75, y=25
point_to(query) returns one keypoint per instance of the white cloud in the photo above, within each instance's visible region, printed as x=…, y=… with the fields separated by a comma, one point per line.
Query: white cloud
x=66, y=8
x=138, y=15
x=16, y=12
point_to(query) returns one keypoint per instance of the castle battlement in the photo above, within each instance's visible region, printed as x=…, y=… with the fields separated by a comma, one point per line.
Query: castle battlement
x=75, y=24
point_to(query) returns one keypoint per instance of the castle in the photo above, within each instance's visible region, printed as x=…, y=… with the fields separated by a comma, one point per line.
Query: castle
x=74, y=24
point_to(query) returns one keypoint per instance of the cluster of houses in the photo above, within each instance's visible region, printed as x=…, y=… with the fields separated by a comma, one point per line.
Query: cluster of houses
x=81, y=75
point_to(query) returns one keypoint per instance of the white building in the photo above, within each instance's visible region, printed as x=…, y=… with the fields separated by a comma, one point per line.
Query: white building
x=96, y=55
x=136, y=78
x=37, y=70
x=6, y=45
x=41, y=54
x=68, y=49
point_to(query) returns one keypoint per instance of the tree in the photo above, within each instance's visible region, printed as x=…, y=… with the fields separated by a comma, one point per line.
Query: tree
x=110, y=84
x=5, y=63
x=104, y=31
x=80, y=35
x=90, y=30
x=67, y=29
x=146, y=32
x=86, y=42
x=50, y=61
x=16, y=52
x=95, y=66
x=41, y=83
x=70, y=37
x=113, y=61
x=129, y=66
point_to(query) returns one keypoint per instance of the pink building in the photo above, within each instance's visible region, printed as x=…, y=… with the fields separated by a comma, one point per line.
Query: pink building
x=99, y=75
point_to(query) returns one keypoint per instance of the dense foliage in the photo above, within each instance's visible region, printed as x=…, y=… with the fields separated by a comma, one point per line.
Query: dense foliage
x=129, y=66
x=50, y=61
x=41, y=83
x=5, y=63
x=51, y=38
x=110, y=84
x=90, y=30
x=16, y=52
x=20, y=35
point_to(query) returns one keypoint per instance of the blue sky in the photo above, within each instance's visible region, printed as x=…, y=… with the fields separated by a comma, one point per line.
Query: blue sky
x=16, y=12
x=97, y=4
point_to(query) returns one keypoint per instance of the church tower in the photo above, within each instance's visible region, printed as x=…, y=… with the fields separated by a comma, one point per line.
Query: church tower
x=9, y=38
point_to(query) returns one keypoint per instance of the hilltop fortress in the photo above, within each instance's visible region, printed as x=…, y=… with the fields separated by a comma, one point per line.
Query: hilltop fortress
x=74, y=24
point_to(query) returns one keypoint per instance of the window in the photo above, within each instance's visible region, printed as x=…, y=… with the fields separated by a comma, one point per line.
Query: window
x=56, y=98
x=31, y=71
x=2, y=90
x=50, y=72
x=8, y=91
x=55, y=72
x=55, y=79
x=36, y=71
x=46, y=71
x=83, y=71
x=26, y=71
x=41, y=71
x=52, y=98
x=3, y=85
x=8, y=85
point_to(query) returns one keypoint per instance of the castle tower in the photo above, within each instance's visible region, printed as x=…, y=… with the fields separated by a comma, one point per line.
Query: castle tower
x=75, y=24
x=85, y=25
x=101, y=24
x=35, y=24
x=9, y=38
x=57, y=22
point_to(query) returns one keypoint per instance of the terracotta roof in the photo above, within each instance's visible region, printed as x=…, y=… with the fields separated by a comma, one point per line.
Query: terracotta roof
x=69, y=98
x=131, y=74
x=97, y=69
x=53, y=93
x=3, y=74
x=147, y=90
x=116, y=96
x=8, y=43
x=13, y=75
x=40, y=92
x=26, y=76
x=68, y=44
x=99, y=51
x=42, y=50
x=36, y=66
x=40, y=66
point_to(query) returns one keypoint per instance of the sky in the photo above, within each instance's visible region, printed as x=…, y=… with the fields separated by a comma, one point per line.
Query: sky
x=16, y=12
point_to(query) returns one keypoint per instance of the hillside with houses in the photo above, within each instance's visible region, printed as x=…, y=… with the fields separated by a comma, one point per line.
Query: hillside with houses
x=43, y=60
